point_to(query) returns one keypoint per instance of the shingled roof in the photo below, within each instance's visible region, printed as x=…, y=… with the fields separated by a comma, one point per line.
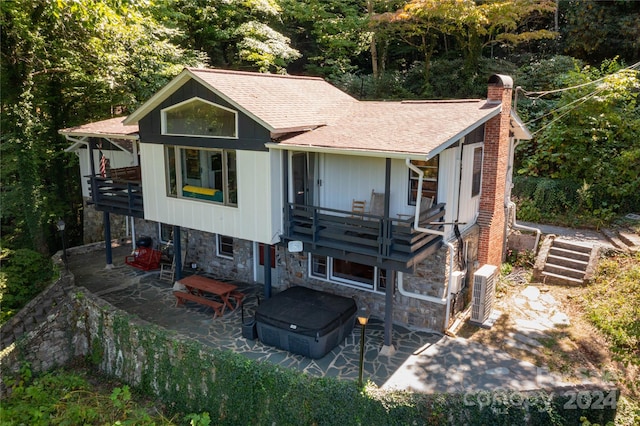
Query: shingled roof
x=415, y=128
x=307, y=113
x=110, y=128
x=281, y=103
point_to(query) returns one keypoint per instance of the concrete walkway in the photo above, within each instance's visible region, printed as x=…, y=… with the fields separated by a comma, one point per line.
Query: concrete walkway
x=588, y=237
x=424, y=361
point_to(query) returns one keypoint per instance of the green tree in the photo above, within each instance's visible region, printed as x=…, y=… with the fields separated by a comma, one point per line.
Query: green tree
x=474, y=26
x=592, y=138
x=236, y=34
x=64, y=63
x=597, y=30
x=330, y=34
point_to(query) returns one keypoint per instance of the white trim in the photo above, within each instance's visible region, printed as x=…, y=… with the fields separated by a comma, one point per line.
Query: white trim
x=163, y=119
x=158, y=98
x=218, y=252
x=342, y=281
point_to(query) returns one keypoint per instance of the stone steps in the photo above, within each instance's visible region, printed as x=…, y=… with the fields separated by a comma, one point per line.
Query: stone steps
x=565, y=262
x=623, y=239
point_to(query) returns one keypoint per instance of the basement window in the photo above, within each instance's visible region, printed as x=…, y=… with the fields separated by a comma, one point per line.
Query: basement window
x=351, y=274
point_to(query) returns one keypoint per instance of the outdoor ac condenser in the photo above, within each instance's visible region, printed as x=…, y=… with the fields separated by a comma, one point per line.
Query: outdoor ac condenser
x=484, y=284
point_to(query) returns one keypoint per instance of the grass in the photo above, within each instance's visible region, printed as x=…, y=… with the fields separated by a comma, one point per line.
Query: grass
x=75, y=395
x=612, y=305
x=603, y=338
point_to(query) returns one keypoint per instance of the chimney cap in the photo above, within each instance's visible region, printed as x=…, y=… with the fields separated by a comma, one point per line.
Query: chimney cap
x=503, y=80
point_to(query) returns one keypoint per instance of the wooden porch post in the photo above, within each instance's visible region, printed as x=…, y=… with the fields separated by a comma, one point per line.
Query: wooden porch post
x=107, y=239
x=267, y=270
x=387, y=348
x=388, y=310
x=177, y=252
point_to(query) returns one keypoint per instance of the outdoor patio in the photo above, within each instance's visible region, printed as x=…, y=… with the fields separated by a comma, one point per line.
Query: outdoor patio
x=423, y=362
x=146, y=296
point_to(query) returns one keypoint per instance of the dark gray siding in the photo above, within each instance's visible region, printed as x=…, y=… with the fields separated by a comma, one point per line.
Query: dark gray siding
x=251, y=135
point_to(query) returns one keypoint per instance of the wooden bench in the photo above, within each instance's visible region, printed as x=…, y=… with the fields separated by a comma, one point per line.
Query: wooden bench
x=182, y=296
x=238, y=296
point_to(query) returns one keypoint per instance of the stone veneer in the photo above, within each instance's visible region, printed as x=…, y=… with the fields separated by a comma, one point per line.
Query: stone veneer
x=430, y=278
x=93, y=224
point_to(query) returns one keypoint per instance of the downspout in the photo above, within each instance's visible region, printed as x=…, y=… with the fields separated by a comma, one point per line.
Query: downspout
x=440, y=301
x=510, y=206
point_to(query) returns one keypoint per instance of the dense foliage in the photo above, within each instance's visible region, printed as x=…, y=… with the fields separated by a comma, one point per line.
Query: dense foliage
x=24, y=273
x=68, y=62
x=589, y=140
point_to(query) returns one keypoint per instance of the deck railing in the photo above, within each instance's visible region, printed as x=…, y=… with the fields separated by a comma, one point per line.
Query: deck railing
x=382, y=238
x=118, y=194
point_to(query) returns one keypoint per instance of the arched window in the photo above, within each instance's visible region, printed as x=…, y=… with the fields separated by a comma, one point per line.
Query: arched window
x=197, y=117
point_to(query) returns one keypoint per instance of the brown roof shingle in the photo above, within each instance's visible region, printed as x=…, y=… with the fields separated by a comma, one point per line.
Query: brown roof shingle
x=282, y=102
x=414, y=128
x=111, y=127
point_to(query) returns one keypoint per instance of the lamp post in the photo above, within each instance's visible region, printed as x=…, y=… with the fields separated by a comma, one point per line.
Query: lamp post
x=61, y=225
x=363, y=318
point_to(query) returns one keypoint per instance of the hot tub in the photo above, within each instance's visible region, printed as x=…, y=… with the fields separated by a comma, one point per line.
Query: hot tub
x=305, y=321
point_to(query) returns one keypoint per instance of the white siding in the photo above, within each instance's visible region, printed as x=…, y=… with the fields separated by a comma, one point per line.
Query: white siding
x=345, y=178
x=469, y=206
x=448, y=183
x=256, y=218
x=117, y=159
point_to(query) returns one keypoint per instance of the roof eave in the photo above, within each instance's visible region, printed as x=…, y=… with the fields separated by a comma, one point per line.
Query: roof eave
x=346, y=151
x=128, y=136
x=518, y=128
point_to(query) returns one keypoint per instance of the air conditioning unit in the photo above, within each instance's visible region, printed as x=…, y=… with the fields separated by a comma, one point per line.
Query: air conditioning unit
x=483, y=293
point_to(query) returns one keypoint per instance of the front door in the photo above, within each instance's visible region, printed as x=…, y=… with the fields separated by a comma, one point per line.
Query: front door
x=259, y=264
x=302, y=168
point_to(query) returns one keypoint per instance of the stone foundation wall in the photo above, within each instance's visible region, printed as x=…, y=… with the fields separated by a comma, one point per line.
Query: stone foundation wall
x=430, y=279
x=93, y=224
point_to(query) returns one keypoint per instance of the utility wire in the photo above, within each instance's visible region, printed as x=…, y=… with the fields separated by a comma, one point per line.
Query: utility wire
x=581, y=100
x=548, y=92
x=578, y=102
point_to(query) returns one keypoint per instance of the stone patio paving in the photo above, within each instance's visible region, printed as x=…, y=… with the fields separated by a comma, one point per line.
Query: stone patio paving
x=423, y=361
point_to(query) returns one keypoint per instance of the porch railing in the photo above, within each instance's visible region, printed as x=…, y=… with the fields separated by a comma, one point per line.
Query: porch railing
x=379, y=238
x=120, y=192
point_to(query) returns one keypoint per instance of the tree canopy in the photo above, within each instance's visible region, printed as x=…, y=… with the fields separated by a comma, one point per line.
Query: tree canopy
x=67, y=62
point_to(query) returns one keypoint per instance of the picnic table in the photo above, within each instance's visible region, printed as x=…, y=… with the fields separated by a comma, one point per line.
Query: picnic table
x=198, y=287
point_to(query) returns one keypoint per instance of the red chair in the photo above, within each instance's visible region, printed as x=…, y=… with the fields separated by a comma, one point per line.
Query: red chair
x=144, y=258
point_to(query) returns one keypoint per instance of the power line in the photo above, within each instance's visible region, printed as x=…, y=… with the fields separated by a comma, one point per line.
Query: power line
x=548, y=92
x=581, y=100
x=577, y=102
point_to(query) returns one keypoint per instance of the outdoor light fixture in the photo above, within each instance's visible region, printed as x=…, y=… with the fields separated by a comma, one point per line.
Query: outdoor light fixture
x=363, y=318
x=61, y=225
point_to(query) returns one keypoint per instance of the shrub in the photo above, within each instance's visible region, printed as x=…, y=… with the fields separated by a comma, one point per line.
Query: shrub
x=24, y=274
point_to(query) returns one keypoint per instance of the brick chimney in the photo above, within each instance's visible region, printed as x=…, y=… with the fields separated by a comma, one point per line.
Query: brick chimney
x=491, y=217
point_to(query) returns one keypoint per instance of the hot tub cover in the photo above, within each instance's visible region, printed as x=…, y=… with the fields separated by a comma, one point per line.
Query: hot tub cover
x=306, y=311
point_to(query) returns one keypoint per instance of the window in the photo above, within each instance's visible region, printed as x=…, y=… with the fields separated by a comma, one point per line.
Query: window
x=429, y=180
x=343, y=270
x=477, y=172
x=165, y=232
x=348, y=273
x=319, y=266
x=203, y=174
x=224, y=246
x=197, y=117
